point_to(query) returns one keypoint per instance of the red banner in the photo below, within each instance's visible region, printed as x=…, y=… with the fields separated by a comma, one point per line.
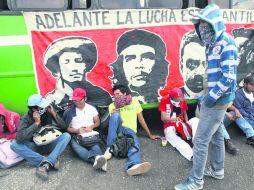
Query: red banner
x=150, y=51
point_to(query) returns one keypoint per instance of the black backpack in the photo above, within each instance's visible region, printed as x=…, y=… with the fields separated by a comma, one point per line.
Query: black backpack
x=121, y=146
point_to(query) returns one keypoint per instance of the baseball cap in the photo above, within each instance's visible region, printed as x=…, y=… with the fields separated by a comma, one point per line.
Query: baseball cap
x=249, y=79
x=78, y=94
x=37, y=100
x=176, y=93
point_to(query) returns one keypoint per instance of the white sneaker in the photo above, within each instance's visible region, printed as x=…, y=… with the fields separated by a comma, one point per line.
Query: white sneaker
x=99, y=162
x=139, y=169
x=105, y=167
x=107, y=154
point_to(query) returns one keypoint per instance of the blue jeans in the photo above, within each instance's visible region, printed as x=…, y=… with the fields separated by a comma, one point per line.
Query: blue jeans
x=209, y=130
x=86, y=154
x=33, y=153
x=244, y=124
x=115, y=127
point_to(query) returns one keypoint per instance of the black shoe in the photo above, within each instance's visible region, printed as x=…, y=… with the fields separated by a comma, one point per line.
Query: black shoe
x=230, y=147
x=250, y=141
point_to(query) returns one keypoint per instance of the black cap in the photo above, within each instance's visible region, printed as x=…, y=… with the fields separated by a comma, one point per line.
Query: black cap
x=249, y=79
x=141, y=37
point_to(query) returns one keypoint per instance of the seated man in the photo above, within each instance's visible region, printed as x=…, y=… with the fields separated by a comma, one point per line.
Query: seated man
x=81, y=119
x=178, y=129
x=244, y=102
x=123, y=118
x=235, y=116
x=40, y=114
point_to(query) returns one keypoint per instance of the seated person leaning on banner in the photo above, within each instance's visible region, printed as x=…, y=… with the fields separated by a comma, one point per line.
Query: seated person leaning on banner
x=40, y=114
x=81, y=119
x=178, y=130
x=123, y=119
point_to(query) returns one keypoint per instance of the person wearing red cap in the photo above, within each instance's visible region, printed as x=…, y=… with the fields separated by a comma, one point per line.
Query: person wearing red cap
x=178, y=129
x=81, y=119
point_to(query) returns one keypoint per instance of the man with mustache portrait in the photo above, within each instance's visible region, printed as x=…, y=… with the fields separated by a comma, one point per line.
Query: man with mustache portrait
x=69, y=59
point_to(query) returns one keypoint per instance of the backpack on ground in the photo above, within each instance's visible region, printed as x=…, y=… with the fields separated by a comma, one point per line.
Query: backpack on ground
x=8, y=158
x=121, y=146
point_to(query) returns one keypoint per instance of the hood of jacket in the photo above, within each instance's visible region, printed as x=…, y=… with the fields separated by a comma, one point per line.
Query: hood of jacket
x=3, y=110
x=212, y=15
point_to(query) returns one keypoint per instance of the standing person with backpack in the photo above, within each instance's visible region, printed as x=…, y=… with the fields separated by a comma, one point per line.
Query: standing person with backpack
x=123, y=119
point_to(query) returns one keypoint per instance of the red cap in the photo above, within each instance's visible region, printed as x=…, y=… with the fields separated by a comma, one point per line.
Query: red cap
x=176, y=93
x=78, y=94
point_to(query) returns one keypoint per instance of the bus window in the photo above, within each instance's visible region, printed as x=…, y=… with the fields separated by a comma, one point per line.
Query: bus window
x=201, y=4
x=20, y=5
x=243, y=4
x=3, y=5
x=195, y=3
x=118, y=4
x=225, y=4
x=164, y=4
x=79, y=4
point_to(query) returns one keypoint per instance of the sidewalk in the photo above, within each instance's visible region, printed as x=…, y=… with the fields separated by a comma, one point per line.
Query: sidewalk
x=168, y=169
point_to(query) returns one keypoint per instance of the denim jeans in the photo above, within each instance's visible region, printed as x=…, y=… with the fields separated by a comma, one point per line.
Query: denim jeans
x=115, y=127
x=86, y=154
x=33, y=153
x=244, y=124
x=209, y=130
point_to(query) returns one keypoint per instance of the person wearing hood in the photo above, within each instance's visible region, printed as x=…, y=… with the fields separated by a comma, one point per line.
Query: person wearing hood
x=9, y=122
x=221, y=53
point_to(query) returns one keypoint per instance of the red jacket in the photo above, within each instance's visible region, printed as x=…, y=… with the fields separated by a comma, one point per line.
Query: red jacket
x=11, y=121
x=181, y=127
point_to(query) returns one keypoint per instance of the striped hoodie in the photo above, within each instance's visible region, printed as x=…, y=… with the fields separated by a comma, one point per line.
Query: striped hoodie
x=221, y=57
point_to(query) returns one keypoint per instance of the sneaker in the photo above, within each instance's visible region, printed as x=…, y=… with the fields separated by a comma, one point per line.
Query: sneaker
x=105, y=167
x=107, y=154
x=211, y=173
x=57, y=165
x=99, y=162
x=139, y=169
x=250, y=141
x=230, y=147
x=188, y=184
x=42, y=172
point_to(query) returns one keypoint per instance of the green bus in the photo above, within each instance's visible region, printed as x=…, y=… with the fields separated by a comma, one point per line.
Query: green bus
x=17, y=71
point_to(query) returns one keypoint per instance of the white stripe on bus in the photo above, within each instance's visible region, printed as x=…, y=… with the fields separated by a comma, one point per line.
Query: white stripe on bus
x=14, y=40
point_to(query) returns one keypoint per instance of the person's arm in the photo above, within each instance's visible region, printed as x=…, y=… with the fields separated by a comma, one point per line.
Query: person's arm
x=145, y=127
x=234, y=109
x=238, y=103
x=186, y=119
x=73, y=130
x=27, y=127
x=166, y=118
x=229, y=70
x=96, y=124
x=59, y=120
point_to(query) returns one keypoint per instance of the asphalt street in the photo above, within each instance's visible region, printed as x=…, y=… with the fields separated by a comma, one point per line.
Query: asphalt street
x=168, y=169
